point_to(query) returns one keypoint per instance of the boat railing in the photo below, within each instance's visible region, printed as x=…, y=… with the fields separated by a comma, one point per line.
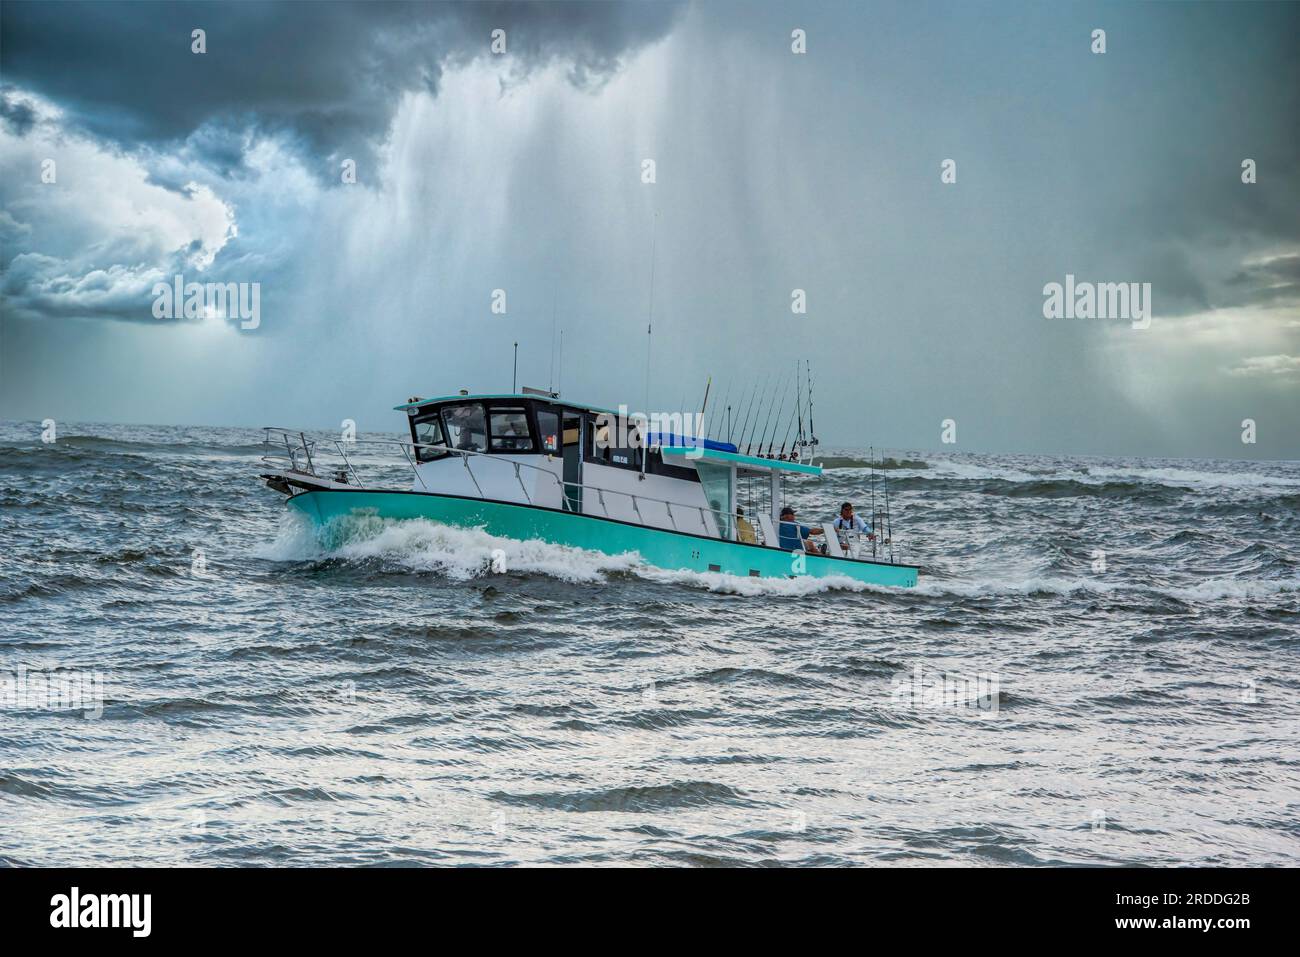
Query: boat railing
x=297, y=450
x=681, y=516
x=686, y=518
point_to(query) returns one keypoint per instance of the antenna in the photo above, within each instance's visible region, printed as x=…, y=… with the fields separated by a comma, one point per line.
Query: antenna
x=550, y=385
x=650, y=312
x=559, y=382
x=514, y=375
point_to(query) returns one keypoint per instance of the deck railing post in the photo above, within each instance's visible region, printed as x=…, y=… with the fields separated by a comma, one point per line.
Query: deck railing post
x=310, y=467
x=527, y=498
x=414, y=463
x=479, y=488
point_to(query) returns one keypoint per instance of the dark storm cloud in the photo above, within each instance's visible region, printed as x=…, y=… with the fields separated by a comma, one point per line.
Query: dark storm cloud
x=1269, y=281
x=327, y=74
x=17, y=115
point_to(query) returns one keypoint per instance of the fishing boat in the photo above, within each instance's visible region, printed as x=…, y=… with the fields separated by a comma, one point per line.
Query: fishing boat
x=531, y=465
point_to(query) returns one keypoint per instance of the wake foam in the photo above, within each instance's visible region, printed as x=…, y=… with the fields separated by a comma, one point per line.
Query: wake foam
x=754, y=587
x=463, y=554
x=419, y=545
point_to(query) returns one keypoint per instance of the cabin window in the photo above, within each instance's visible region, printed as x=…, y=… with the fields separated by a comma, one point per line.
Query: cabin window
x=615, y=442
x=466, y=427
x=510, y=430
x=429, y=432
x=716, y=480
x=548, y=428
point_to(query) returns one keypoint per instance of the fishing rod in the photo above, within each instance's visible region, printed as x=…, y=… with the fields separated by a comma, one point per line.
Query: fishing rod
x=889, y=524
x=777, y=423
x=812, y=430
x=703, y=405
x=708, y=425
x=742, y=428
x=872, y=453
x=764, y=432
x=748, y=435
x=745, y=428
x=780, y=413
x=786, y=438
x=799, y=408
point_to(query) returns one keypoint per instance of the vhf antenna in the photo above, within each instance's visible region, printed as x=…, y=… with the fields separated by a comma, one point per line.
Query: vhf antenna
x=650, y=312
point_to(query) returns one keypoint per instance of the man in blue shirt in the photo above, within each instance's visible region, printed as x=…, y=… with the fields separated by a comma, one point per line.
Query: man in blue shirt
x=795, y=536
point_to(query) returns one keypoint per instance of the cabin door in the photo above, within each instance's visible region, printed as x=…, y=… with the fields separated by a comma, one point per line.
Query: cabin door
x=572, y=439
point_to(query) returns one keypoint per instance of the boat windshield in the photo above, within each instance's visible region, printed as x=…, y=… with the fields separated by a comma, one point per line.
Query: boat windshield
x=466, y=427
x=429, y=432
x=510, y=431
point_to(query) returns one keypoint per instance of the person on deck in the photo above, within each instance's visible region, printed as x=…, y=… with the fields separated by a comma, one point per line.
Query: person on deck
x=744, y=531
x=795, y=536
x=848, y=522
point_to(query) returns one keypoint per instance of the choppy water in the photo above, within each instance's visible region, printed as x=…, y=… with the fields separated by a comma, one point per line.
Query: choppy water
x=395, y=701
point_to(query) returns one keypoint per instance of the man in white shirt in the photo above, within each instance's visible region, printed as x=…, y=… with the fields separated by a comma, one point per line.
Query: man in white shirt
x=848, y=522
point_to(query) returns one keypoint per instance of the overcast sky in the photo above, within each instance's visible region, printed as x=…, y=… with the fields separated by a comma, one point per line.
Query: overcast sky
x=774, y=171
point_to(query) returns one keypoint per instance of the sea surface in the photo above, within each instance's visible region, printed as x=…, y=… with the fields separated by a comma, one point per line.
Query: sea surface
x=1099, y=667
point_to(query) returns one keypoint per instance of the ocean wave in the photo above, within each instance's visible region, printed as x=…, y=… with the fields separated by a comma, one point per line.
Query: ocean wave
x=642, y=799
x=420, y=545
x=939, y=470
x=885, y=464
x=1107, y=475
x=1216, y=589
x=1196, y=477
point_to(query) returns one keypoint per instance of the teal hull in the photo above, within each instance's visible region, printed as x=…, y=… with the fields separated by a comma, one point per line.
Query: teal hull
x=658, y=547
